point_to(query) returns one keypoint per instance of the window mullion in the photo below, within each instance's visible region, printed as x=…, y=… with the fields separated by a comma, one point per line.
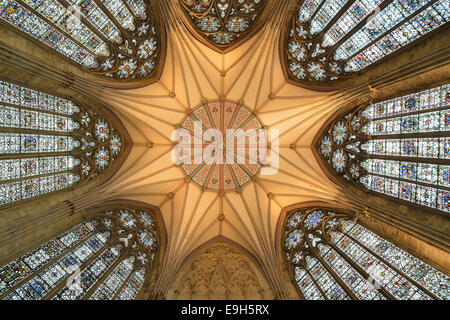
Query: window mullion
x=35, y=131
x=317, y=10
x=37, y=176
x=85, y=21
x=358, y=27
x=337, y=278
x=411, y=181
x=52, y=293
x=47, y=265
x=13, y=156
x=103, y=277
x=113, y=19
x=53, y=25
x=20, y=106
x=405, y=20
x=406, y=114
x=116, y=294
x=411, y=135
x=364, y=274
x=336, y=17
x=126, y=4
x=393, y=267
x=315, y=282
x=409, y=159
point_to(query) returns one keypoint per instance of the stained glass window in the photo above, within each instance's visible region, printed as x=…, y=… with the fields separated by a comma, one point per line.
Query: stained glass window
x=48, y=143
x=99, y=259
x=223, y=22
x=336, y=258
x=398, y=147
x=117, y=38
x=331, y=39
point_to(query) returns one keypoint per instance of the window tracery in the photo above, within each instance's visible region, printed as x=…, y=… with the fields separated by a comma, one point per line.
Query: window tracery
x=331, y=39
x=49, y=143
x=398, y=147
x=332, y=257
x=223, y=22
x=99, y=259
x=116, y=38
x=219, y=271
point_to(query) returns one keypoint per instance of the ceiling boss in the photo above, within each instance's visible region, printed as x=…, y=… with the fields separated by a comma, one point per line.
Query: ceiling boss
x=222, y=146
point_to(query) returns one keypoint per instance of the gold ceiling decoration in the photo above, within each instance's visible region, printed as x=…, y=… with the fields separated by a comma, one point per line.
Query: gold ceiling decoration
x=219, y=172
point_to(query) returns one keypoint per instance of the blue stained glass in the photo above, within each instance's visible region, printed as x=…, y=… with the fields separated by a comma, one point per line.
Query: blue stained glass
x=444, y=148
x=408, y=171
x=84, y=32
x=445, y=125
x=409, y=147
x=313, y=219
x=410, y=103
x=411, y=266
x=294, y=239
x=418, y=117
x=26, y=21
x=443, y=200
x=444, y=176
x=410, y=123
x=38, y=286
x=28, y=152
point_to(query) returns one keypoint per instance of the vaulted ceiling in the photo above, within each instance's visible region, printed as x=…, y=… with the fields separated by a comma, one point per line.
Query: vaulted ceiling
x=194, y=73
x=251, y=74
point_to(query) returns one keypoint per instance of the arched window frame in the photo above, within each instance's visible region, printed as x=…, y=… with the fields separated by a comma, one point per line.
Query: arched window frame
x=346, y=115
x=120, y=53
x=328, y=52
x=96, y=112
x=127, y=238
x=325, y=233
x=237, y=250
x=192, y=18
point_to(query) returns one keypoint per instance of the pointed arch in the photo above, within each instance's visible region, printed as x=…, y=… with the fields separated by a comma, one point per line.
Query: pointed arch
x=395, y=147
x=52, y=144
x=122, y=40
x=327, y=42
x=331, y=255
x=112, y=254
x=220, y=269
x=223, y=25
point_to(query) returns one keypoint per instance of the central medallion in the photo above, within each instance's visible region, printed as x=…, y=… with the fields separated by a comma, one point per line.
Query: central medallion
x=223, y=143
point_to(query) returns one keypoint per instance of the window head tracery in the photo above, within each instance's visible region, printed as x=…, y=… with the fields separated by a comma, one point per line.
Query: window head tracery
x=223, y=22
x=329, y=40
x=219, y=271
x=103, y=258
x=332, y=257
x=397, y=147
x=48, y=143
x=120, y=39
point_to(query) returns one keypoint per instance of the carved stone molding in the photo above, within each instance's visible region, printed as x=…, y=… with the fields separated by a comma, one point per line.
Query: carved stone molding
x=222, y=272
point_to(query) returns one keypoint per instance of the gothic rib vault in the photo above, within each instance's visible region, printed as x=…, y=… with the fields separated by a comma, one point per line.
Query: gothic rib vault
x=252, y=74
